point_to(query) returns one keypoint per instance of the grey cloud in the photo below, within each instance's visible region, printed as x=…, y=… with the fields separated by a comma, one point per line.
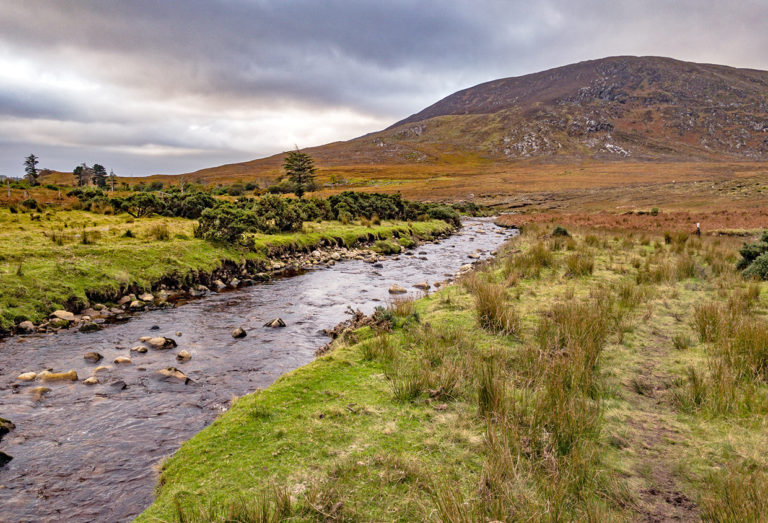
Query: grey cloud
x=163, y=67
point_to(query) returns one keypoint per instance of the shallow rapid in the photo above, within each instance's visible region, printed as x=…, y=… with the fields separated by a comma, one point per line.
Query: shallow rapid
x=88, y=453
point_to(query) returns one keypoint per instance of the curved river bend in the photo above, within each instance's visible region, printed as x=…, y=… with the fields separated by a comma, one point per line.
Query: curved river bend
x=87, y=453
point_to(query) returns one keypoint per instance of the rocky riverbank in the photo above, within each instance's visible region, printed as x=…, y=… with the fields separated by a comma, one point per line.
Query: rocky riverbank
x=115, y=306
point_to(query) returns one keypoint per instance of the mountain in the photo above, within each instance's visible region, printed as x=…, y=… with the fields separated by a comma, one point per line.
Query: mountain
x=621, y=108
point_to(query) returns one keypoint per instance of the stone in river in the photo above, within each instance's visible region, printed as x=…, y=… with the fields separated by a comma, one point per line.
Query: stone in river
x=63, y=315
x=4, y=459
x=58, y=376
x=27, y=376
x=146, y=297
x=89, y=326
x=39, y=392
x=173, y=374
x=239, y=333
x=141, y=349
x=183, y=356
x=26, y=327
x=122, y=359
x=93, y=380
x=422, y=285
x=397, y=289
x=161, y=342
x=277, y=322
x=93, y=357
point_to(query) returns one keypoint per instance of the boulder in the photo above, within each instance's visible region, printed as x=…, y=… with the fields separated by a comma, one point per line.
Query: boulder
x=122, y=359
x=99, y=307
x=235, y=283
x=89, y=326
x=26, y=327
x=161, y=342
x=336, y=256
x=277, y=322
x=39, y=392
x=93, y=357
x=397, y=289
x=102, y=368
x=145, y=338
x=63, y=315
x=219, y=285
x=59, y=323
x=465, y=268
x=173, y=374
x=474, y=255
x=146, y=297
x=136, y=305
x=91, y=313
x=239, y=333
x=93, y=380
x=124, y=300
x=141, y=349
x=27, y=376
x=46, y=375
x=183, y=356
x=4, y=459
x=422, y=285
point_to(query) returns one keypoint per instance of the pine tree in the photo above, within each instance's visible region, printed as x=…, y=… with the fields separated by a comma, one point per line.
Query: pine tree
x=99, y=176
x=83, y=174
x=300, y=169
x=30, y=167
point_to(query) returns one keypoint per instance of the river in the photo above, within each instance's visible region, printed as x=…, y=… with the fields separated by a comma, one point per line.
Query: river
x=89, y=453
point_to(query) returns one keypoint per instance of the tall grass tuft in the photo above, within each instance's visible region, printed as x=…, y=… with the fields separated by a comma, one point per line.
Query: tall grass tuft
x=579, y=264
x=493, y=311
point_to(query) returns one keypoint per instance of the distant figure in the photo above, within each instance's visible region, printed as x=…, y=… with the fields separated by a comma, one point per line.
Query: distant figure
x=698, y=229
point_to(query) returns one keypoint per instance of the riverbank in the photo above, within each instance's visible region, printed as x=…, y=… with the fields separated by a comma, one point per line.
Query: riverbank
x=578, y=376
x=76, y=260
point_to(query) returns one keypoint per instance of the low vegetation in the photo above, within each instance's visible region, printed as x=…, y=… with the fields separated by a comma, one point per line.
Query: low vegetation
x=598, y=376
x=53, y=259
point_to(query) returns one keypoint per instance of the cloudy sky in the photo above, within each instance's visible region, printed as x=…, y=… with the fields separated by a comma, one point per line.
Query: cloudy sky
x=161, y=86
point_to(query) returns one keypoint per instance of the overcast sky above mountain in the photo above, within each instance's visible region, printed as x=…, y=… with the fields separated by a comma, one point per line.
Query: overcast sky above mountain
x=160, y=86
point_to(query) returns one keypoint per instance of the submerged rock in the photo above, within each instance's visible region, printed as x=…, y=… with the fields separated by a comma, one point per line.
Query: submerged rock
x=173, y=374
x=93, y=357
x=141, y=349
x=161, y=342
x=46, y=375
x=397, y=289
x=102, y=368
x=422, y=285
x=122, y=359
x=239, y=333
x=27, y=376
x=183, y=356
x=277, y=322
x=93, y=380
x=4, y=459
x=39, y=392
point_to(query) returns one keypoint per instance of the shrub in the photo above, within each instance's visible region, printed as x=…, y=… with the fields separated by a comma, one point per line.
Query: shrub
x=758, y=268
x=30, y=203
x=560, y=231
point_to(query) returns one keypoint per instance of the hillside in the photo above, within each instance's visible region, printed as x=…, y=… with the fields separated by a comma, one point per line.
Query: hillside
x=619, y=108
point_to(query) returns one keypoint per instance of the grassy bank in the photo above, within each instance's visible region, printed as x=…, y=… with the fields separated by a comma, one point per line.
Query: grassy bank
x=604, y=376
x=53, y=260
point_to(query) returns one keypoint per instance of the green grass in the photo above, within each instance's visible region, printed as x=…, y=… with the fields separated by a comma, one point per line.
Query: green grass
x=54, y=261
x=600, y=406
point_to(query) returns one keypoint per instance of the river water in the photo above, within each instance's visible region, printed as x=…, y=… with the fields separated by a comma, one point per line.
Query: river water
x=88, y=453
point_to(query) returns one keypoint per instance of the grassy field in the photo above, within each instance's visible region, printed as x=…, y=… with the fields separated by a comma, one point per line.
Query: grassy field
x=610, y=375
x=50, y=260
